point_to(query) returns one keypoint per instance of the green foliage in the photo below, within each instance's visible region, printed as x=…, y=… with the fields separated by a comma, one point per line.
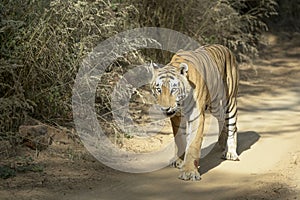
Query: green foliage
x=6, y=172
x=21, y=165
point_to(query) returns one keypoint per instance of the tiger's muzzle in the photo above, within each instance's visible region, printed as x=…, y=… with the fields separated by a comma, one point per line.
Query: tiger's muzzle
x=168, y=111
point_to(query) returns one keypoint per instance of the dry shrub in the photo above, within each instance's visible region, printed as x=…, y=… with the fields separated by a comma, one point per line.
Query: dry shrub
x=288, y=15
x=54, y=49
x=236, y=24
x=42, y=46
x=43, y=43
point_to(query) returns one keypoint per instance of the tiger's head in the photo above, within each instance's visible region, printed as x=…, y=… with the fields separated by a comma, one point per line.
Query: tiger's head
x=170, y=87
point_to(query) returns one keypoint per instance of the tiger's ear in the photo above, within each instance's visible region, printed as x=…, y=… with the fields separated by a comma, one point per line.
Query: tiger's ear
x=151, y=69
x=183, y=67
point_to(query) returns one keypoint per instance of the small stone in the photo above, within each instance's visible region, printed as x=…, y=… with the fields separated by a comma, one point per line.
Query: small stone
x=295, y=159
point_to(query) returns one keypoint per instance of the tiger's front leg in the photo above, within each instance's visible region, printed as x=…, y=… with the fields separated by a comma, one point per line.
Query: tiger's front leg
x=179, y=128
x=189, y=170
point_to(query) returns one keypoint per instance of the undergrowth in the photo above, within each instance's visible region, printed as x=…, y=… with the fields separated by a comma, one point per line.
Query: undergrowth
x=42, y=46
x=43, y=43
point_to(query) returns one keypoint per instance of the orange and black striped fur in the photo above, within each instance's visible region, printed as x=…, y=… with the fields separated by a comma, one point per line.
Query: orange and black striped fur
x=192, y=83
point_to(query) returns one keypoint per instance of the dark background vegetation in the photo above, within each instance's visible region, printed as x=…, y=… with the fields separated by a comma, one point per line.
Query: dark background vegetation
x=43, y=43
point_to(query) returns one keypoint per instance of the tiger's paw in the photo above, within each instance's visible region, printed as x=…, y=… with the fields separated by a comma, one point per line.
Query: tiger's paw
x=190, y=175
x=230, y=156
x=178, y=163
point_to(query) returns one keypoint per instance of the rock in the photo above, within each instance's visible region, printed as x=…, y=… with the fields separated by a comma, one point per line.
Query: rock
x=36, y=136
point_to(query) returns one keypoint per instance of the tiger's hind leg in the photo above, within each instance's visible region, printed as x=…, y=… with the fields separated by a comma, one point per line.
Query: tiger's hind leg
x=229, y=133
x=222, y=140
x=229, y=130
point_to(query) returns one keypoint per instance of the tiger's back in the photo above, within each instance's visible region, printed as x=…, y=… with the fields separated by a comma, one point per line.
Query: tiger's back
x=212, y=68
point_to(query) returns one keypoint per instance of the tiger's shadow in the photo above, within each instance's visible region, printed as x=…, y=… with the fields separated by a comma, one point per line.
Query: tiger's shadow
x=213, y=158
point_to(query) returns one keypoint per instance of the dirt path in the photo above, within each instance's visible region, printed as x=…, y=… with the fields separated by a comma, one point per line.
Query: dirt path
x=269, y=147
x=268, y=138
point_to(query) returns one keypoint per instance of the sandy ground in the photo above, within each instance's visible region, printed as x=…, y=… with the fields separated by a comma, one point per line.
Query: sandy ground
x=269, y=166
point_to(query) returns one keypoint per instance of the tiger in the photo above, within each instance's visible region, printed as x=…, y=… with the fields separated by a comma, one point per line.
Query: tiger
x=190, y=85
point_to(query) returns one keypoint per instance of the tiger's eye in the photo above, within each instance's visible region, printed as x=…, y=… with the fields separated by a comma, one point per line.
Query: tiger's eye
x=173, y=90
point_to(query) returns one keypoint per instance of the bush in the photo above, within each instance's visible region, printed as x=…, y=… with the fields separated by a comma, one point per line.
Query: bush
x=43, y=43
x=41, y=50
x=288, y=15
x=236, y=24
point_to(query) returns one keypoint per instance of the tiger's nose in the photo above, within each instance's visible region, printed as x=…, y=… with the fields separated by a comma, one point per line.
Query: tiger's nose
x=165, y=109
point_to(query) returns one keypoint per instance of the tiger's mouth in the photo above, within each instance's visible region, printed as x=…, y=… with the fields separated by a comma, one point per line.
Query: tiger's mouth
x=169, y=112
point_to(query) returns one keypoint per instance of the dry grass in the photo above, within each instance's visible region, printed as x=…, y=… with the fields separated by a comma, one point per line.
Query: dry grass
x=236, y=24
x=42, y=46
x=43, y=43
